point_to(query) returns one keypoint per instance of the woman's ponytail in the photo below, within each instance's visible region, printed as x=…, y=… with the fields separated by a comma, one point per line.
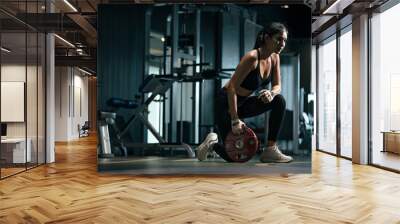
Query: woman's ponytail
x=259, y=39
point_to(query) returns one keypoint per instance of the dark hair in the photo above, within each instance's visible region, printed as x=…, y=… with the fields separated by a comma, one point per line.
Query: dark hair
x=271, y=29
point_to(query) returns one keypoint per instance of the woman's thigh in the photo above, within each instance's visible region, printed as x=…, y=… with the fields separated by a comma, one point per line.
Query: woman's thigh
x=252, y=106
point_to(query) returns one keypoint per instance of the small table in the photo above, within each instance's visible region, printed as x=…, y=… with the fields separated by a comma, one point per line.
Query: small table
x=391, y=141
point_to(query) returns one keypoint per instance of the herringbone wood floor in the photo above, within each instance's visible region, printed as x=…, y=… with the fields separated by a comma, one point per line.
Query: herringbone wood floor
x=71, y=191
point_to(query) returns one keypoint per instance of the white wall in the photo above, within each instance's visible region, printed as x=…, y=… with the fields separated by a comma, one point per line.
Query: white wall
x=80, y=112
x=71, y=102
x=61, y=103
x=12, y=73
x=17, y=73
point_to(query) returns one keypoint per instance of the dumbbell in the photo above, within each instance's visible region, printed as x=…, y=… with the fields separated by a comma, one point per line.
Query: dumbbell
x=241, y=148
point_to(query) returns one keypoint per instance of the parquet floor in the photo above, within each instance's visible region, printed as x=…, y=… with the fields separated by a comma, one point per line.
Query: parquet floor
x=71, y=191
x=10, y=171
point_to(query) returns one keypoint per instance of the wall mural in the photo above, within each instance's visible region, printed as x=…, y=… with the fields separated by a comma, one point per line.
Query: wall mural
x=204, y=89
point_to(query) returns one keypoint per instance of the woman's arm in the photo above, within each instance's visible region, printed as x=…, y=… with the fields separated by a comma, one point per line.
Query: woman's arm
x=276, y=79
x=268, y=95
x=247, y=64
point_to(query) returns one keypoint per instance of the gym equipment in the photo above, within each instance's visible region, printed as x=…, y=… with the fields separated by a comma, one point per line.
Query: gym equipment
x=156, y=85
x=152, y=84
x=108, y=147
x=105, y=150
x=83, y=131
x=241, y=148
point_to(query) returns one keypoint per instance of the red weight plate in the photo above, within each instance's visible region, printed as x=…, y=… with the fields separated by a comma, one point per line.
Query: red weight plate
x=241, y=148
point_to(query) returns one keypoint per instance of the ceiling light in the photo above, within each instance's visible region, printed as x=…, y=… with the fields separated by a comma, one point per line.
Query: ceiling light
x=285, y=6
x=331, y=7
x=84, y=71
x=65, y=41
x=70, y=5
x=5, y=50
x=79, y=44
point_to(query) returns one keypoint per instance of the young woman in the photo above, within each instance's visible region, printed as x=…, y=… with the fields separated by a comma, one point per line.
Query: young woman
x=234, y=102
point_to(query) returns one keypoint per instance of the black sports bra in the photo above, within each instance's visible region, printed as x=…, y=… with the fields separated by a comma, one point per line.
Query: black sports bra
x=253, y=80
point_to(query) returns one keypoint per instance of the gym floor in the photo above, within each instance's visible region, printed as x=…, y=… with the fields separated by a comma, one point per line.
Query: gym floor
x=174, y=165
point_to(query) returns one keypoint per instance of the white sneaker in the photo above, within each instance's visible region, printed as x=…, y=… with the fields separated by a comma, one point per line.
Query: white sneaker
x=206, y=147
x=273, y=155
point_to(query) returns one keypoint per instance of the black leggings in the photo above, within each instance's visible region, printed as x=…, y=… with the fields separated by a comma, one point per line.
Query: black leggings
x=246, y=107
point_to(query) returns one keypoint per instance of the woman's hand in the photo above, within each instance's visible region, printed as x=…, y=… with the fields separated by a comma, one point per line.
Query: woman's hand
x=266, y=96
x=237, y=126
